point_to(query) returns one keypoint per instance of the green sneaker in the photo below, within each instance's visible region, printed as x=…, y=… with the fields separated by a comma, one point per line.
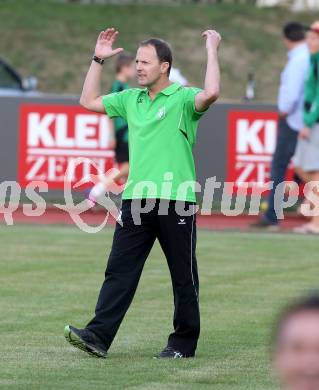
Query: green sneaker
x=85, y=340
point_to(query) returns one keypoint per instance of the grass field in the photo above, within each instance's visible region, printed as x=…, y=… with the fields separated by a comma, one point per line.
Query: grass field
x=54, y=42
x=50, y=276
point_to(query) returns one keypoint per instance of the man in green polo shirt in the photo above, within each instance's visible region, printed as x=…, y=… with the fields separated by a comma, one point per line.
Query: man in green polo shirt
x=159, y=198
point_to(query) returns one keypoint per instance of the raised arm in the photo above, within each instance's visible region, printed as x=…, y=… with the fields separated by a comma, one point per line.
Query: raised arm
x=212, y=79
x=91, y=97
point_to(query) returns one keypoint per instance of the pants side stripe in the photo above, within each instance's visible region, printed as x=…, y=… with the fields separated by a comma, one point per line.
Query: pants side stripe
x=193, y=221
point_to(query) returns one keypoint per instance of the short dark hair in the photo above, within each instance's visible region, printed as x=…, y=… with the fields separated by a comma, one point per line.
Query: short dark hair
x=123, y=59
x=163, y=50
x=294, y=31
x=309, y=303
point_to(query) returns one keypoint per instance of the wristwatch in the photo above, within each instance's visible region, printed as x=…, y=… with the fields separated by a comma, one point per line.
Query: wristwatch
x=98, y=60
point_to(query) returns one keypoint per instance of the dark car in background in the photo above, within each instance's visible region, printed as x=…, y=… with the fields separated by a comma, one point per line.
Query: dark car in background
x=13, y=84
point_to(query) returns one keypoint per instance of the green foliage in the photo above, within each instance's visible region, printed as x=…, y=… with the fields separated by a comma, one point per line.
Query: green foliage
x=55, y=41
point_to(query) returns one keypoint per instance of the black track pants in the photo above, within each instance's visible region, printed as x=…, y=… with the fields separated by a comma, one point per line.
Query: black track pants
x=131, y=246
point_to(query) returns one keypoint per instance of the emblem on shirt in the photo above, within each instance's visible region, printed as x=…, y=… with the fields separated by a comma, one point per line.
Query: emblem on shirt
x=161, y=113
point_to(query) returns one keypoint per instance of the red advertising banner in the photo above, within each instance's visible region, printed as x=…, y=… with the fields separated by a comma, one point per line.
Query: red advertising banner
x=252, y=139
x=52, y=137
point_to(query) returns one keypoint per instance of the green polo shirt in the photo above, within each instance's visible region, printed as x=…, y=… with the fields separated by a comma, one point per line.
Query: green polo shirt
x=162, y=133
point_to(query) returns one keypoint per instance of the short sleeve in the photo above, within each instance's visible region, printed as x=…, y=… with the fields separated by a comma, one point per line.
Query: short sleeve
x=115, y=104
x=189, y=103
x=190, y=117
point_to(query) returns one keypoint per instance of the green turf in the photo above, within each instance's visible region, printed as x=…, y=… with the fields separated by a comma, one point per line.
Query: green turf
x=50, y=276
x=54, y=42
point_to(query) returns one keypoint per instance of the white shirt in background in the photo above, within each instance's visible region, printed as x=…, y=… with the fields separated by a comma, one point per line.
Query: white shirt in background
x=292, y=82
x=176, y=76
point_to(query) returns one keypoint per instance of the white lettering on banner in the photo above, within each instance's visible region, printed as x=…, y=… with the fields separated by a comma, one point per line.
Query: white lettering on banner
x=54, y=136
x=248, y=136
x=61, y=132
x=247, y=169
x=252, y=142
x=38, y=130
x=51, y=168
x=35, y=167
x=55, y=168
x=256, y=141
x=262, y=174
x=104, y=134
x=90, y=132
x=270, y=136
x=85, y=130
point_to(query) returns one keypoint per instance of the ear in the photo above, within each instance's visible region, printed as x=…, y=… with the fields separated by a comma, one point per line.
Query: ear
x=164, y=67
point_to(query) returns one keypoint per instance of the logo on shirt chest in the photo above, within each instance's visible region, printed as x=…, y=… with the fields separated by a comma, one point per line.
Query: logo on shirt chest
x=161, y=113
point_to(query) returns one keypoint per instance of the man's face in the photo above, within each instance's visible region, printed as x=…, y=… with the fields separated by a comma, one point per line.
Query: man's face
x=313, y=41
x=296, y=358
x=148, y=67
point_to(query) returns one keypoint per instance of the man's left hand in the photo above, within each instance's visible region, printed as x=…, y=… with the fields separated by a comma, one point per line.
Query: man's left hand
x=213, y=39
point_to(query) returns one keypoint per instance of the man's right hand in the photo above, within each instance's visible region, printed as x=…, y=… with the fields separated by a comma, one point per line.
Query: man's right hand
x=213, y=39
x=282, y=115
x=304, y=133
x=103, y=48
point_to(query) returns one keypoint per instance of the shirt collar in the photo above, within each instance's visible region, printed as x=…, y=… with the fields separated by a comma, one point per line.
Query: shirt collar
x=166, y=91
x=297, y=50
x=170, y=89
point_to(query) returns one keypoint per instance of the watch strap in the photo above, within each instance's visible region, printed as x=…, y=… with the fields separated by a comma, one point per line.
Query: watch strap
x=98, y=60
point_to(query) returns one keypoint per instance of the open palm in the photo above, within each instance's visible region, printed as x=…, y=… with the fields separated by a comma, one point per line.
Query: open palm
x=105, y=41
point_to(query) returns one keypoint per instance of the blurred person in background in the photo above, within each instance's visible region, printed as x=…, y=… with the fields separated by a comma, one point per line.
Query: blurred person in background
x=295, y=352
x=290, y=107
x=125, y=72
x=176, y=76
x=306, y=159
